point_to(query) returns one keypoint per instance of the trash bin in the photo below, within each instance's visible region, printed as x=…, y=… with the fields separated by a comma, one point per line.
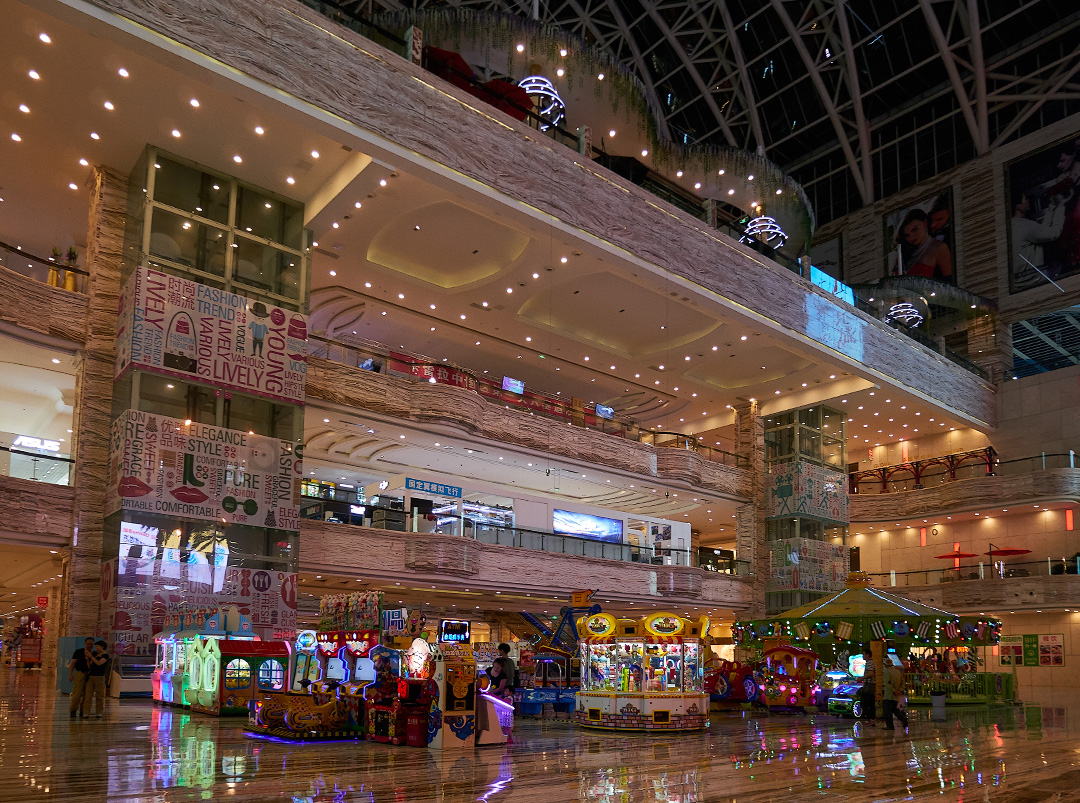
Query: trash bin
x=416, y=729
x=937, y=703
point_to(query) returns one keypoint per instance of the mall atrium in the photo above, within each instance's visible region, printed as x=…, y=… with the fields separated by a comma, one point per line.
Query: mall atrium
x=551, y=401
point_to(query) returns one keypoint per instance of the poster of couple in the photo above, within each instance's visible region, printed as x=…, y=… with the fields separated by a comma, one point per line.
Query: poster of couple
x=919, y=239
x=1043, y=191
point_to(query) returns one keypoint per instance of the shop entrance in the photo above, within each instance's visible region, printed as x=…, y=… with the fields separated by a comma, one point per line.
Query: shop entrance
x=30, y=580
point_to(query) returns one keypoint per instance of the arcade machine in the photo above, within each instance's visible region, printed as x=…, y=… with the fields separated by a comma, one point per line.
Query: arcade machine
x=494, y=716
x=305, y=667
x=332, y=669
x=393, y=698
x=454, y=724
x=234, y=672
x=359, y=672
x=789, y=677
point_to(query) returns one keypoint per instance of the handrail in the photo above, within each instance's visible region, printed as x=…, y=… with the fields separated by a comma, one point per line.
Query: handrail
x=64, y=479
x=917, y=468
x=557, y=407
x=48, y=263
x=986, y=569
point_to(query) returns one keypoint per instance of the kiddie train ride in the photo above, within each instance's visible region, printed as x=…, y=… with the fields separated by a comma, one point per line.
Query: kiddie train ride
x=643, y=674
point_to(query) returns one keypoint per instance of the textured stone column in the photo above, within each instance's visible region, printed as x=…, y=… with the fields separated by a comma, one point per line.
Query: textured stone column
x=750, y=518
x=990, y=345
x=83, y=614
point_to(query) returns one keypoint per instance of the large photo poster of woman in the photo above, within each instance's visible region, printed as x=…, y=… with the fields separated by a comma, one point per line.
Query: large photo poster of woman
x=919, y=240
x=1043, y=190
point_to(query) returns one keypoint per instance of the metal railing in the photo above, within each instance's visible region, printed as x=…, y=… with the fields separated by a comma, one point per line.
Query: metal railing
x=936, y=471
x=48, y=271
x=378, y=357
x=970, y=687
x=986, y=571
x=918, y=474
x=47, y=468
x=539, y=540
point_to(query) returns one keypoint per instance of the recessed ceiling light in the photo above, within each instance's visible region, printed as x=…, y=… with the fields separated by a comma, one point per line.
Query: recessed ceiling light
x=109, y=105
x=24, y=108
x=731, y=192
x=175, y=132
x=401, y=296
x=750, y=177
x=600, y=77
x=195, y=102
x=84, y=163
x=290, y=180
x=123, y=73
x=34, y=74
x=94, y=135
x=55, y=361
x=16, y=137
x=367, y=284
x=509, y=289
x=260, y=130
x=73, y=186
x=382, y=182
x=314, y=154
x=333, y=273
x=697, y=185
x=238, y=158
x=336, y=225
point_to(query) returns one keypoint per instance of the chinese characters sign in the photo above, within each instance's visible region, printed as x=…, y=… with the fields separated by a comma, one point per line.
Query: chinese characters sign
x=433, y=487
x=163, y=465
x=185, y=329
x=1032, y=650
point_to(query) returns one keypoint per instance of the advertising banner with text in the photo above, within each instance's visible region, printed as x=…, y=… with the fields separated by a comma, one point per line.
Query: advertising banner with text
x=149, y=592
x=163, y=465
x=185, y=329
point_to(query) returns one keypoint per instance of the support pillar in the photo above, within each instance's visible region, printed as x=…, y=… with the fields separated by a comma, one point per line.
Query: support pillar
x=83, y=613
x=750, y=518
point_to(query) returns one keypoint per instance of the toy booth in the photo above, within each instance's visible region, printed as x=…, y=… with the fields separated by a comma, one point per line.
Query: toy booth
x=837, y=628
x=789, y=677
x=177, y=646
x=643, y=674
x=226, y=674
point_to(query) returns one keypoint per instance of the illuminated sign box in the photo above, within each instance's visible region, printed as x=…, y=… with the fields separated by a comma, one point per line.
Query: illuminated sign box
x=454, y=631
x=605, y=412
x=831, y=285
x=513, y=385
x=585, y=525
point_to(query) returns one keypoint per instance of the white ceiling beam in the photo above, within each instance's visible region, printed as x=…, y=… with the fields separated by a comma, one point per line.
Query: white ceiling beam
x=826, y=101
x=862, y=126
x=947, y=59
x=706, y=95
x=744, y=78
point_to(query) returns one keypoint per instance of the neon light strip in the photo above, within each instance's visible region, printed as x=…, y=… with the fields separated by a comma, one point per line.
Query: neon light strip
x=826, y=602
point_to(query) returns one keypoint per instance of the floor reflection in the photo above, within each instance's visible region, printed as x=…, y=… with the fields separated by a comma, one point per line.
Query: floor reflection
x=140, y=752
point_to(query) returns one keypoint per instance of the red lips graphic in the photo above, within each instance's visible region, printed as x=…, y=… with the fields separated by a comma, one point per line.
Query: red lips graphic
x=192, y=496
x=131, y=487
x=298, y=357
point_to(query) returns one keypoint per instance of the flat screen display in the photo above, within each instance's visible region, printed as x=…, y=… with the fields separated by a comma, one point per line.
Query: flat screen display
x=513, y=385
x=585, y=525
x=455, y=631
x=604, y=412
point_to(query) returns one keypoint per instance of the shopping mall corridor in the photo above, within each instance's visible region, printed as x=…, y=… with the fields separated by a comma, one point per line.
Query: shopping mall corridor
x=140, y=752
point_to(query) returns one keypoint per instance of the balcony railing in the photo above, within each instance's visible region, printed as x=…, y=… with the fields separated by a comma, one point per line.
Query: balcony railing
x=924, y=473
x=985, y=571
x=47, y=271
x=378, y=357
x=523, y=538
x=25, y=465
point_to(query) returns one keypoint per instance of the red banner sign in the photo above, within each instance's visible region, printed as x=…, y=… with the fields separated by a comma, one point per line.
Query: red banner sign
x=43, y=602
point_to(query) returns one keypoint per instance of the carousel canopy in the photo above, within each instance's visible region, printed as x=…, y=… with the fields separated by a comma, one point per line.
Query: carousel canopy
x=860, y=614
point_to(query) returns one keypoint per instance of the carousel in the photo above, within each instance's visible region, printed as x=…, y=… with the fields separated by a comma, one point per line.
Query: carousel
x=938, y=651
x=643, y=674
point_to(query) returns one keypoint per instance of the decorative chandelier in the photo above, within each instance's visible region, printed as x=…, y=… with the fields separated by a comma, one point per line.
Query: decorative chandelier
x=548, y=103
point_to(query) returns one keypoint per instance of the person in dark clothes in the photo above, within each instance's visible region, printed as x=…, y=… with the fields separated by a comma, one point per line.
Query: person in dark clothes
x=78, y=672
x=95, y=683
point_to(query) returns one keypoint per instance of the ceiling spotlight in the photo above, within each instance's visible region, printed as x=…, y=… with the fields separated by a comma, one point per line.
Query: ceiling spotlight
x=382, y=182
x=600, y=77
x=314, y=154
x=697, y=186
x=260, y=130
x=750, y=177
x=521, y=48
x=84, y=163
x=731, y=192
x=123, y=73
x=94, y=135
x=44, y=37
x=645, y=153
x=176, y=133
x=611, y=132
x=238, y=158
x=34, y=74
x=195, y=102
x=290, y=180
x=358, y=204
x=24, y=108
x=109, y=105
x=73, y=186
x=15, y=137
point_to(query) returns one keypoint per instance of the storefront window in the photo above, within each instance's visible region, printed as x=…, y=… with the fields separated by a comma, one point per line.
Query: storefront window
x=271, y=675
x=163, y=395
x=603, y=675
x=191, y=190
x=663, y=668
x=630, y=666
x=693, y=674
x=186, y=241
x=269, y=218
x=237, y=674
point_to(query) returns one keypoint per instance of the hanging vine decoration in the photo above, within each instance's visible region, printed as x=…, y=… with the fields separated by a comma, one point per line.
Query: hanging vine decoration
x=495, y=37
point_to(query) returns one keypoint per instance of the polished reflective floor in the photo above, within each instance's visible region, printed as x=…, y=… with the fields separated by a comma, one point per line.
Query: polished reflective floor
x=139, y=752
